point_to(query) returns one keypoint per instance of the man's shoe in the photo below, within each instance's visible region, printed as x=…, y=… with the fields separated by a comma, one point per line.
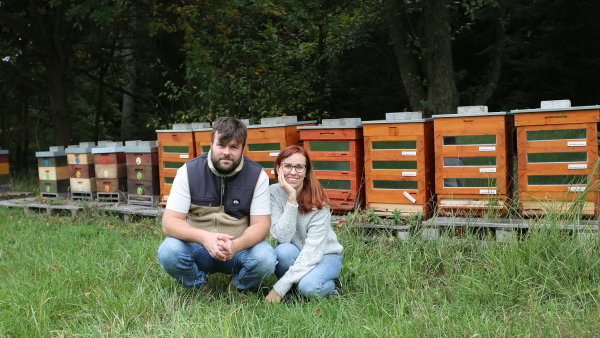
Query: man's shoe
x=338, y=286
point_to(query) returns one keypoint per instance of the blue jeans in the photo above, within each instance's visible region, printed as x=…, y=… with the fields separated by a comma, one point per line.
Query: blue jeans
x=189, y=263
x=318, y=281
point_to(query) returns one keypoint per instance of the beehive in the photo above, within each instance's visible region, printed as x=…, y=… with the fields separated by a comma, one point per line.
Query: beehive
x=399, y=164
x=273, y=134
x=53, y=172
x=111, y=171
x=336, y=152
x=175, y=147
x=142, y=172
x=557, y=159
x=202, y=137
x=82, y=172
x=473, y=156
x=4, y=171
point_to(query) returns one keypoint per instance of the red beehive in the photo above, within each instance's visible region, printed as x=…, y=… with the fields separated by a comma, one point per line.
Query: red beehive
x=4, y=171
x=111, y=170
x=558, y=158
x=142, y=172
x=336, y=152
x=399, y=164
x=473, y=156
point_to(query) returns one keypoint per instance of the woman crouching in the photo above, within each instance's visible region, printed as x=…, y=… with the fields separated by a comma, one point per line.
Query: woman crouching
x=308, y=252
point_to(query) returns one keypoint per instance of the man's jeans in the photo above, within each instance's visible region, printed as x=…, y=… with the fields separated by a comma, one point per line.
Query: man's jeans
x=319, y=281
x=189, y=263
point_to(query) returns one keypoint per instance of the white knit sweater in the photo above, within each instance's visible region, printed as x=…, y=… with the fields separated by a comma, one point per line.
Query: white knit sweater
x=310, y=232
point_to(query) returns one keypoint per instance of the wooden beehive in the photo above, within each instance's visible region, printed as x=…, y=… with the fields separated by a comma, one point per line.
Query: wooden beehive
x=473, y=161
x=111, y=171
x=202, y=137
x=399, y=164
x=175, y=147
x=336, y=152
x=53, y=172
x=142, y=172
x=264, y=141
x=557, y=159
x=4, y=171
x=82, y=172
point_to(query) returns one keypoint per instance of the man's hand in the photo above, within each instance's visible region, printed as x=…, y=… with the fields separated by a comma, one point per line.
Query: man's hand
x=227, y=246
x=212, y=244
x=273, y=297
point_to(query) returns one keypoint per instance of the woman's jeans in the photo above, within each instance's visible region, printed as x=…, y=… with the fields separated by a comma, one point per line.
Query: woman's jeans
x=319, y=281
x=189, y=263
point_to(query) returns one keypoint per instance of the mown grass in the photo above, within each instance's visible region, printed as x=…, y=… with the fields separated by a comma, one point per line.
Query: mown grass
x=96, y=275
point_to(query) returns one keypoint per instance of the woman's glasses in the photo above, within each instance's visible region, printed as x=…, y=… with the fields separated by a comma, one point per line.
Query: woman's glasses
x=300, y=168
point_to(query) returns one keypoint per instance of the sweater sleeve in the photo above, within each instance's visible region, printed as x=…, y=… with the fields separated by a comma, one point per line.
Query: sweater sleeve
x=310, y=255
x=283, y=217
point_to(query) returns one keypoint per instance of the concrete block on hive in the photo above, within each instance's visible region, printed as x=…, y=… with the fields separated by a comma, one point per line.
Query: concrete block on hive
x=551, y=104
x=407, y=115
x=472, y=110
x=343, y=122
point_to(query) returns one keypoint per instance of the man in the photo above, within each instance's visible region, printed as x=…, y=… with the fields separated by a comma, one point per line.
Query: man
x=218, y=215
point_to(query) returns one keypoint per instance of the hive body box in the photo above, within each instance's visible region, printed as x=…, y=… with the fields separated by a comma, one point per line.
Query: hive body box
x=202, y=135
x=175, y=147
x=558, y=159
x=53, y=172
x=111, y=170
x=82, y=172
x=336, y=152
x=264, y=141
x=4, y=171
x=399, y=164
x=473, y=156
x=142, y=172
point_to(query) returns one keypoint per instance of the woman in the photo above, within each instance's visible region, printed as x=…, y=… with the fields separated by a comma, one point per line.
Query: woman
x=308, y=252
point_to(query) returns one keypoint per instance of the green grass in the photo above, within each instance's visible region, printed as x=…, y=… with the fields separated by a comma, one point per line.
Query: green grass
x=96, y=275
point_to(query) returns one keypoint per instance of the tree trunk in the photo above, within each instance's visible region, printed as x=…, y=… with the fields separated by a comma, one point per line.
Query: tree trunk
x=128, y=107
x=59, y=107
x=410, y=72
x=442, y=92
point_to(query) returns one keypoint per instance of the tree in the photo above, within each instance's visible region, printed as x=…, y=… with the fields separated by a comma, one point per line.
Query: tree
x=423, y=32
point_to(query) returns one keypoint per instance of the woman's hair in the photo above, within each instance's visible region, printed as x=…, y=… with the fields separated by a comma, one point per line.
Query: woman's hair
x=312, y=193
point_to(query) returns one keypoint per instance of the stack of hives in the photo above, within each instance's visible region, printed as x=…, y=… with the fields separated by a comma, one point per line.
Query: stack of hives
x=473, y=150
x=82, y=171
x=271, y=136
x=111, y=171
x=336, y=151
x=399, y=168
x=53, y=172
x=142, y=172
x=558, y=159
x=4, y=171
x=175, y=147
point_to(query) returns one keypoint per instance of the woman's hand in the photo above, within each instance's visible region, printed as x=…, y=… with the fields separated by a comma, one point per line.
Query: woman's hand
x=273, y=297
x=287, y=188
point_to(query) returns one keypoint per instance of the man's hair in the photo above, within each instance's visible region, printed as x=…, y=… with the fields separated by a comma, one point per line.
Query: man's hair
x=229, y=128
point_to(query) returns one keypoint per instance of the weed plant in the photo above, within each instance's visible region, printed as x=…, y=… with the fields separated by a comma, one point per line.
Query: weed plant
x=96, y=275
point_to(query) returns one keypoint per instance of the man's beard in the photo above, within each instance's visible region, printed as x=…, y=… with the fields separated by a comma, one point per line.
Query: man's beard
x=222, y=169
